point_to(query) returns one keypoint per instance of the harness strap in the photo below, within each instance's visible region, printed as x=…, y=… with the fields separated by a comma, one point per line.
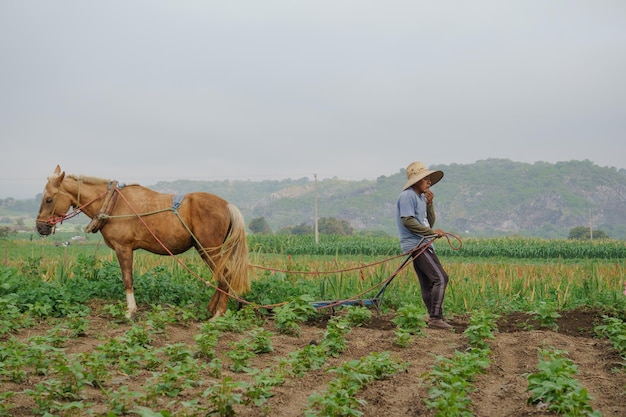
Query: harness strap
x=101, y=218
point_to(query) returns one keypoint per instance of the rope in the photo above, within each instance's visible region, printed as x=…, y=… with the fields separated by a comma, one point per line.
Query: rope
x=418, y=250
x=169, y=252
x=338, y=271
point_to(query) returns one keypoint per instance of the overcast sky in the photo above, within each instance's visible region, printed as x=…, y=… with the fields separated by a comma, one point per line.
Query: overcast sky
x=148, y=91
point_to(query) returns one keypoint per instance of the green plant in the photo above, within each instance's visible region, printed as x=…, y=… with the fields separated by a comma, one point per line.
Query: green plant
x=546, y=314
x=340, y=397
x=310, y=357
x=77, y=323
x=334, y=341
x=260, y=340
x=5, y=405
x=554, y=384
x=403, y=337
x=615, y=330
x=240, y=354
x=410, y=318
x=224, y=395
x=121, y=399
x=358, y=315
x=451, y=381
x=206, y=340
x=260, y=390
x=289, y=315
x=117, y=312
x=481, y=328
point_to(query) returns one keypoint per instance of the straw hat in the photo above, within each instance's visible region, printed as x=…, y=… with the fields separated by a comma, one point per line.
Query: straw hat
x=417, y=170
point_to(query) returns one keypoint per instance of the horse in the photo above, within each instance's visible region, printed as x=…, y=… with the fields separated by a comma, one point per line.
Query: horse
x=132, y=217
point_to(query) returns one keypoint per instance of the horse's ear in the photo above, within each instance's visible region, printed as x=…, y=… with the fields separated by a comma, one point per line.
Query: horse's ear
x=58, y=176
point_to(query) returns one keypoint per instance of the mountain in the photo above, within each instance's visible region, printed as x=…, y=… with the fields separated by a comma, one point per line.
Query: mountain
x=490, y=197
x=487, y=198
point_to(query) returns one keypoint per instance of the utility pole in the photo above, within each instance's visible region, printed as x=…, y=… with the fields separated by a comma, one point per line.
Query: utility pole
x=590, y=226
x=317, y=236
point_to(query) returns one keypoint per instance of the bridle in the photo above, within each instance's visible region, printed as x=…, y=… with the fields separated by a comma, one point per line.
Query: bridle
x=54, y=220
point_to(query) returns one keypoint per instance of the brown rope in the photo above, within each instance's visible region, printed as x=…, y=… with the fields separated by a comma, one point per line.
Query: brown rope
x=417, y=250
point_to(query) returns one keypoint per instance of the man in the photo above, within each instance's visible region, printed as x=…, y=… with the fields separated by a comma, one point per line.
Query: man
x=415, y=219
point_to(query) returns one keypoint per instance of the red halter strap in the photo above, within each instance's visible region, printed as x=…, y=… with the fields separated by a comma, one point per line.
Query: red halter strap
x=54, y=220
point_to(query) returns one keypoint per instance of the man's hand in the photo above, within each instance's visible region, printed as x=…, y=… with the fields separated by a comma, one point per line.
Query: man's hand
x=429, y=197
x=439, y=232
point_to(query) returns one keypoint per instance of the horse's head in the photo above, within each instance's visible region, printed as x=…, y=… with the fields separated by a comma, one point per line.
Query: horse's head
x=54, y=204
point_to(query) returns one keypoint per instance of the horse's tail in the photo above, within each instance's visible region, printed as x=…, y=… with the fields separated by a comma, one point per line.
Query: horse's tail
x=235, y=251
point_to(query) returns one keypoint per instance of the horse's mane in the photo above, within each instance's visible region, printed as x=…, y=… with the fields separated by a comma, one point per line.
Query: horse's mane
x=93, y=180
x=88, y=180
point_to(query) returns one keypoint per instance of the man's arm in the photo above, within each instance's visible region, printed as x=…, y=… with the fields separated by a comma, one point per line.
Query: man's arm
x=414, y=226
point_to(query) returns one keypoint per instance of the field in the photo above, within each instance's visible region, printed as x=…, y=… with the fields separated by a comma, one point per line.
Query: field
x=534, y=334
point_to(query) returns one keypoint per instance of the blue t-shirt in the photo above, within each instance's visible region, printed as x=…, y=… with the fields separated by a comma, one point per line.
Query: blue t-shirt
x=410, y=205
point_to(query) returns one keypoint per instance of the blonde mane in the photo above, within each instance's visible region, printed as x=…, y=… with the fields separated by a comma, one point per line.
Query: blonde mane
x=88, y=180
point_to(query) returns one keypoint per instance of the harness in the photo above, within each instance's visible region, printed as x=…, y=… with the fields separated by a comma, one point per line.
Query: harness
x=100, y=219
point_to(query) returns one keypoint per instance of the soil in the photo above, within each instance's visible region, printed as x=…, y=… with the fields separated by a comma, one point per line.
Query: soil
x=501, y=391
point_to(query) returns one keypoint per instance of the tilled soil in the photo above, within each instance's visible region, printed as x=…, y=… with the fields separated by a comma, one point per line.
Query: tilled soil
x=501, y=391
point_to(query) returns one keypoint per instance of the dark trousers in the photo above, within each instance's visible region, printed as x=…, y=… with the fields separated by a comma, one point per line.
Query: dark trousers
x=433, y=281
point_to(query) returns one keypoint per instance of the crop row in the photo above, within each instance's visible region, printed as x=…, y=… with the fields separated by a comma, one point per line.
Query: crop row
x=517, y=248
x=64, y=384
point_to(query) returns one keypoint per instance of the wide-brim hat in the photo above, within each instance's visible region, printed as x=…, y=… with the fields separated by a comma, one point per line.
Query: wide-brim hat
x=417, y=170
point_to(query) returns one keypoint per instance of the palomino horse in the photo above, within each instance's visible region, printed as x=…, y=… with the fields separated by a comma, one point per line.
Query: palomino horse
x=134, y=217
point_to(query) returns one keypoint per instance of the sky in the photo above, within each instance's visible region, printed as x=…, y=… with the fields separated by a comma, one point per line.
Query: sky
x=146, y=91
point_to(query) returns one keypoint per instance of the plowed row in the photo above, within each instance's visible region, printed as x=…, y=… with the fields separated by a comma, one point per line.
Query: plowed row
x=501, y=391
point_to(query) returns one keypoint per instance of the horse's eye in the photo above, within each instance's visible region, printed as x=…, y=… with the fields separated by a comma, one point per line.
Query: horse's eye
x=49, y=200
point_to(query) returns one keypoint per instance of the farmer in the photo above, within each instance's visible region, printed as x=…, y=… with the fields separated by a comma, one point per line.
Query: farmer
x=415, y=218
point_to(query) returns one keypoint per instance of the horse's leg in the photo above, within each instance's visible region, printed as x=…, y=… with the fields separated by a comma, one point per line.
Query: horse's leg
x=125, y=258
x=219, y=301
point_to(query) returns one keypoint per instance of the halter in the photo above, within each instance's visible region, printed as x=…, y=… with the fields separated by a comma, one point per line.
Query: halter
x=54, y=220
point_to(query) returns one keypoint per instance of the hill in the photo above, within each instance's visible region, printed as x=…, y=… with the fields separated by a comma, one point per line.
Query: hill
x=491, y=197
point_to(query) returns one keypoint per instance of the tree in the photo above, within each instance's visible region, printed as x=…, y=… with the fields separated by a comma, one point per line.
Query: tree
x=260, y=226
x=583, y=233
x=301, y=229
x=333, y=226
x=4, y=231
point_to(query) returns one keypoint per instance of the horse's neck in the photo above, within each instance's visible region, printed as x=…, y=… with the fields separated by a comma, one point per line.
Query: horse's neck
x=86, y=197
